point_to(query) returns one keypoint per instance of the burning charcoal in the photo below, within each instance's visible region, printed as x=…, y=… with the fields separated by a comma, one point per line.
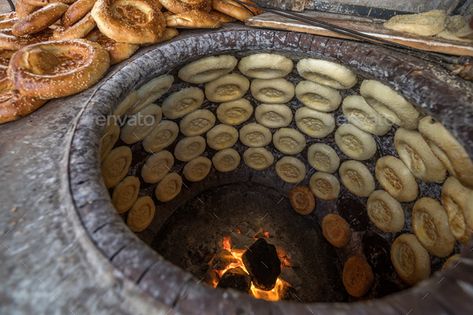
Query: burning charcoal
x=237, y=279
x=222, y=259
x=262, y=262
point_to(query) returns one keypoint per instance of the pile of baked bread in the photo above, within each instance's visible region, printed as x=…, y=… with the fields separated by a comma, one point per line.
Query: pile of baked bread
x=56, y=48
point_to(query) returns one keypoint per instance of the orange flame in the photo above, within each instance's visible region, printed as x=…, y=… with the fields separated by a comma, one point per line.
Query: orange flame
x=276, y=294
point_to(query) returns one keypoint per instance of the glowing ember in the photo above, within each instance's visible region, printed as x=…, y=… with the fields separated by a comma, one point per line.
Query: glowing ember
x=279, y=290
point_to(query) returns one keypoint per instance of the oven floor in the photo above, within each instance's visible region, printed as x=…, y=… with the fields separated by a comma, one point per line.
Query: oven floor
x=194, y=233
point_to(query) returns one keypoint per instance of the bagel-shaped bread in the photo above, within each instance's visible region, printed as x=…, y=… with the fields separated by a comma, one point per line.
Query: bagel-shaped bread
x=39, y=20
x=130, y=21
x=5, y=83
x=13, y=105
x=77, y=11
x=410, y=259
x=448, y=150
x=117, y=51
x=207, y=69
x=240, y=11
x=182, y=102
x=234, y=112
x=396, y=179
x=7, y=20
x=258, y=158
x=318, y=97
x=223, y=18
x=226, y=160
x=273, y=115
x=355, y=143
x=325, y=186
x=362, y=115
x=357, y=178
x=23, y=9
x=193, y=19
x=182, y=6
x=313, y=123
x=57, y=69
x=42, y=3
x=418, y=157
x=291, y=170
x=227, y=88
x=327, y=73
x=430, y=225
x=78, y=30
x=389, y=104
x=265, y=66
x=273, y=91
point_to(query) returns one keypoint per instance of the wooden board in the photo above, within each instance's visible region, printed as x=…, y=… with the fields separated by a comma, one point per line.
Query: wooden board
x=367, y=26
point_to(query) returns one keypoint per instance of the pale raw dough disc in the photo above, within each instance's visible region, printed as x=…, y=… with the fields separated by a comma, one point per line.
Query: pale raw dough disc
x=169, y=187
x=255, y=135
x=418, y=157
x=222, y=137
x=458, y=203
x=289, y=141
x=410, y=259
x=355, y=143
x=182, y=102
x=189, y=148
x=226, y=160
x=362, y=115
x=323, y=158
x=425, y=24
x=228, y=88
x=139, y=125
x=290, y=169
x=126, y=104
x=265, y=66
x=325, y=186
x=207, y=69
x=162, y=136
x=234, y=112
x=396, y=179
x=109, y=139
x=318, y=97
x=141, y=214
x=152, y=91
x=313, y=123
x=448, y=150
x=125, y=194
x=327, y=73
x=385, y=212
x=273, y=115
x=115, y=166
x=273, y=91
x=390, y=104
x=157, y=166
x=430, y=225
x=197, y=169
x=357, y=178
x=258, y=158
x=197, y=122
